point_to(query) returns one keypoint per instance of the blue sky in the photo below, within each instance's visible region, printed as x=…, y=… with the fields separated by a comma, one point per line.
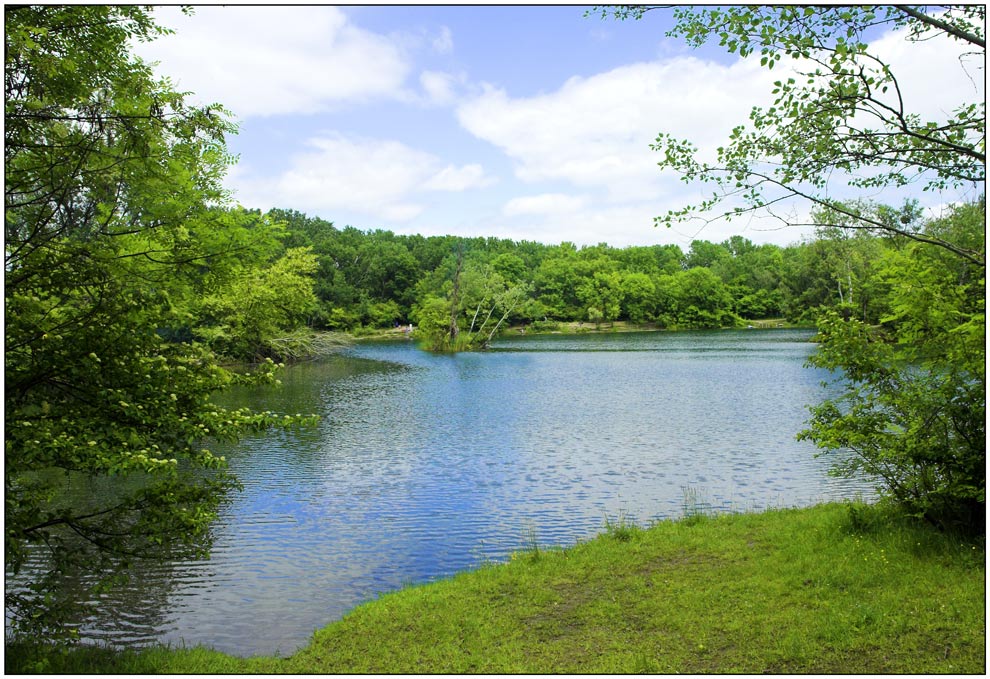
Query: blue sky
x=517, y=122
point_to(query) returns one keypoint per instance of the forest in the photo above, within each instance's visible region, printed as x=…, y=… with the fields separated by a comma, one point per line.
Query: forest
x=313, y=276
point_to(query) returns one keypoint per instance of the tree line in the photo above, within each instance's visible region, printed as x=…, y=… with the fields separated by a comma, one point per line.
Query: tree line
x=364, y=280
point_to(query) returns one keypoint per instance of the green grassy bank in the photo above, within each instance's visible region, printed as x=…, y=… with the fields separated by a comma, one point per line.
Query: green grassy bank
x=828, y=589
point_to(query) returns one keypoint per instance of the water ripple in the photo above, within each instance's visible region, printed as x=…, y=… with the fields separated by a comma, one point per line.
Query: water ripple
x=423, y=465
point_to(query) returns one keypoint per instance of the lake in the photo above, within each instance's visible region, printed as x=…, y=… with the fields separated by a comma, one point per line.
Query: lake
x=424, y=465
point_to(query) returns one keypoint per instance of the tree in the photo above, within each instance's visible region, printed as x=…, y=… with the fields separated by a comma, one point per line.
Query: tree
x=432, y=318
x=510, y=266
x=841, y=120
x=848, y=259
x=652, y=260
x=602, y=293
x=387, y=269
x=556, y=280
x=250, y=318
x=638, y=293
x=913, y=411
x=705, y=254
x=752, y=274
x=112, y=184
x=477, y=303
x=702, y=300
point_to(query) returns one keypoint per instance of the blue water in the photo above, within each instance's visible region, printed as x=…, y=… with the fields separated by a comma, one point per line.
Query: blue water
x=423, y=465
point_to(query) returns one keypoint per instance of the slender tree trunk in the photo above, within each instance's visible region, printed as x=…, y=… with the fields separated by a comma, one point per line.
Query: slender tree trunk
x=499, y=324
x=481, y=328
x=455, y=297
x=476, y=312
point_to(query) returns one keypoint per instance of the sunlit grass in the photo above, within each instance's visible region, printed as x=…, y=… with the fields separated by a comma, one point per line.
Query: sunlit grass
x=828, y=589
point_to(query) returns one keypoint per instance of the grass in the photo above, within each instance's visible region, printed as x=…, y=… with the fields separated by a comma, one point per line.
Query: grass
x=828, y=589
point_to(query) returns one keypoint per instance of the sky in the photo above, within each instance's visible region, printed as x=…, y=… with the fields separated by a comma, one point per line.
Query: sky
x=521, y=122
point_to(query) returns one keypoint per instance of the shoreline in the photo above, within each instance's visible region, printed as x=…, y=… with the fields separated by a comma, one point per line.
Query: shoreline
x=587, y=327
x=836, y=588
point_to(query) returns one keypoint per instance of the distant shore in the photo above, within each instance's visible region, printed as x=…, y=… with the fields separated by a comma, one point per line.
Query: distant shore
x=579, y=328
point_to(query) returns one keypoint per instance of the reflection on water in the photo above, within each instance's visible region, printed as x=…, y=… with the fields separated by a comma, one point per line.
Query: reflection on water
x=423, y=465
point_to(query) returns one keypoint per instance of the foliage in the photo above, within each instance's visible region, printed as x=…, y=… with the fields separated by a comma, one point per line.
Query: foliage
x=113, y=224
x=306, y=344
x=242, y=319
x=603, y=294
x=637, y=294
x=432, y=317
x=469, y=311
x=703, y=301
x=565, y=283
x=913, y=411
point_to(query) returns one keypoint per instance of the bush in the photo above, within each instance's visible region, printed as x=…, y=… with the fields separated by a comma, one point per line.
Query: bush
x=913, y=410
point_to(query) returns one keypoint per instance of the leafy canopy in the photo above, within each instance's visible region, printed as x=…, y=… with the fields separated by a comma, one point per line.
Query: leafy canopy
x=112, y=224
x=913, y=411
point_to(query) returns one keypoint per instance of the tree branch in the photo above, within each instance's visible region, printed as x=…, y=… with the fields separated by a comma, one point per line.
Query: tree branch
x=943, y=25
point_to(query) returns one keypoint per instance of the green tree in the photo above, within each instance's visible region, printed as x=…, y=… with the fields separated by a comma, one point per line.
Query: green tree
x=806, y=281
x=556, y=281
x=752, y=304
x=845, y=263
x=702, y=300
x=477, y=303
x=752, y=275
x=602, y=294
x=913, y=411
x=652, y=260
x=666, y=301
x=432, y=318
x=706, y=254
x=511, y=267
x=638, y=297
x=112, y=184
x=387, y=270
x=250, y=318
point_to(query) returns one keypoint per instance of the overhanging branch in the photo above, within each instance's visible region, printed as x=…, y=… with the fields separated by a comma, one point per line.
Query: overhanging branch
x=954, y=31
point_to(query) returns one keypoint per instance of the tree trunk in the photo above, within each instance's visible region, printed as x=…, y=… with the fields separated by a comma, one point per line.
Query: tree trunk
x=455, y=297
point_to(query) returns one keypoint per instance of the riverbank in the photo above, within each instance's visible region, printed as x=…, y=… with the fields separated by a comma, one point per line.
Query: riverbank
x=836, y=588
x=579, y=328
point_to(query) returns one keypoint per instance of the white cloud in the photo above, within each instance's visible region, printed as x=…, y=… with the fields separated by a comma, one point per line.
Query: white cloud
x=580, y=150
x=453, y=178
x=444, y=43
x=267, y=60
x=935, y=76
x=439, y=87
x=595, y=131
x=543, y=204
x=375, y=177
x=627, y=224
